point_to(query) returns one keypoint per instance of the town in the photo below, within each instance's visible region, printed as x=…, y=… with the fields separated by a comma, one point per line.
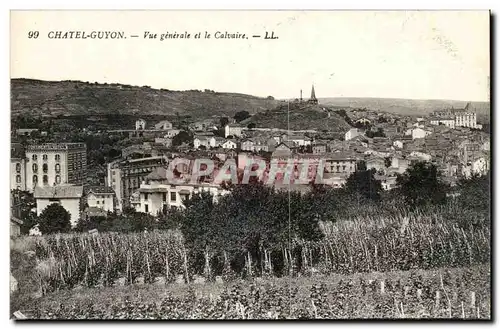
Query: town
x=135, y=176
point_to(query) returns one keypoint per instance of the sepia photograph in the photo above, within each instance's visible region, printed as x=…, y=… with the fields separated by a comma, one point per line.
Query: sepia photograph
x=250, y=165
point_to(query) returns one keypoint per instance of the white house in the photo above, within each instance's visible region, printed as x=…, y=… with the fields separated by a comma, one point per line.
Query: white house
x=232, y=129
x=398, y=144
x=353, y=132
x=448, y=122
x=68, y=196
x=102, y=197
x=419, y=133
x=300, y=140
x=229, y=144
x=156, y=192
x=163, y=125
x=171, y=133
x=140, y=124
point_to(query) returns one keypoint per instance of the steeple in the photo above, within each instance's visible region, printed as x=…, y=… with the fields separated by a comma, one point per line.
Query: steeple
x=313, y=98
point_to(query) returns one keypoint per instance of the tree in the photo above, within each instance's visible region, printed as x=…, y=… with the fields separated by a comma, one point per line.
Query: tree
x=363, y=182
x=24, y=208
x=181, y=138
x=223, y=121
x=54, y=219
x=241, y=115
x=421, y=185
x=251, y=125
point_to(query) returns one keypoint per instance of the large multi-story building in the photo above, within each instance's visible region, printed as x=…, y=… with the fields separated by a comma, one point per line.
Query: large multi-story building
x=126, y=176
x=54, y=164
x=17, y=167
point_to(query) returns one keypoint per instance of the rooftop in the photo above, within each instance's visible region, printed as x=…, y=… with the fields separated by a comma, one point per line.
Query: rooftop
x=61, y=191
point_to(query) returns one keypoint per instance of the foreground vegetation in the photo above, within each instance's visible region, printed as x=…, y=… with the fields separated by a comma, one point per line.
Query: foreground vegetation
x=447, y=293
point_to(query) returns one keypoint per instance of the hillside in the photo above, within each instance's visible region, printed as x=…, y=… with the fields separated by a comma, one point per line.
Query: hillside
x=413, y=107
x=82, y=98
x=302, y=117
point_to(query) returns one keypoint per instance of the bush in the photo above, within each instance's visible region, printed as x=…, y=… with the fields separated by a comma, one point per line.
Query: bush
x=54, y=219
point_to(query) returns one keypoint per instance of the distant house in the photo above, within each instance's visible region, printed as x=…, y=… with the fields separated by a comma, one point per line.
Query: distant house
x=445, y=121
x=319, y=149
x=376, y=163
x=102, y=197
x=68, y=196
x=229, y=144
x=299, y=140
x=140, y=124
x=419, y=133
x=247, y=145
x=283, y=150
x=171, y=133
x=26, y=131
x=363, y=121
x=353, y=132
x=398, y=143
x=163, y=125
x=232, y=129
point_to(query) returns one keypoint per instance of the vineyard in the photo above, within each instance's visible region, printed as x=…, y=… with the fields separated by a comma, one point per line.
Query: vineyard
x=455, y=293
x=412, y=243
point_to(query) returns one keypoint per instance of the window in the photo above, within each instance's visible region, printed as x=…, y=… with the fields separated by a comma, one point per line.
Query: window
x=18, y=167
x=97, y=202
x=146, y=196
x=35, y=179
x=18, y=179
x=58, y=167
x=58, y=179
x=34, y=167
x=45, y=179
x=45, y=157
x=164, y=197
x=146, y=208
x=34, y=157
x=173, y=196
x=57, y=157
x=45, y=168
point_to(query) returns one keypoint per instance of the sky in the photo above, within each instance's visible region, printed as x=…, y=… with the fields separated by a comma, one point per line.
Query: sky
x=399, y=54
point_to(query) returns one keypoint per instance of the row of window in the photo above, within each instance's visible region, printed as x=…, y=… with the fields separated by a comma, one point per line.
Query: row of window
x=173, y=197
x=45, y=179
x=45, y=157
x=45, y=168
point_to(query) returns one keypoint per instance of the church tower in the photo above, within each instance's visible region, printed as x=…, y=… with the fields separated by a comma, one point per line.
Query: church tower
x=313, y=99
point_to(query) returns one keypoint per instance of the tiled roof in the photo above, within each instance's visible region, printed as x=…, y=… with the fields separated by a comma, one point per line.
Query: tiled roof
x=58, y=192
x=100, y=190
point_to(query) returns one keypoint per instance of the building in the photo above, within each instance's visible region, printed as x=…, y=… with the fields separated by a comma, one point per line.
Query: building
x=102, y=197
x=163, y=125
x=299, y=140
x=171, y=133
x=26, y=131
x=55, y=164
x=17, y=167
x=353, y=132
x=376, y=163
x=229, y=144
x=126, y=176
x=419, y=133
x=319, y=149
x=466, y=117
x=445, y=121
x=232, y=129
x=140, y=124
x=469, y=152
x=69, y=197
x=156, y=193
